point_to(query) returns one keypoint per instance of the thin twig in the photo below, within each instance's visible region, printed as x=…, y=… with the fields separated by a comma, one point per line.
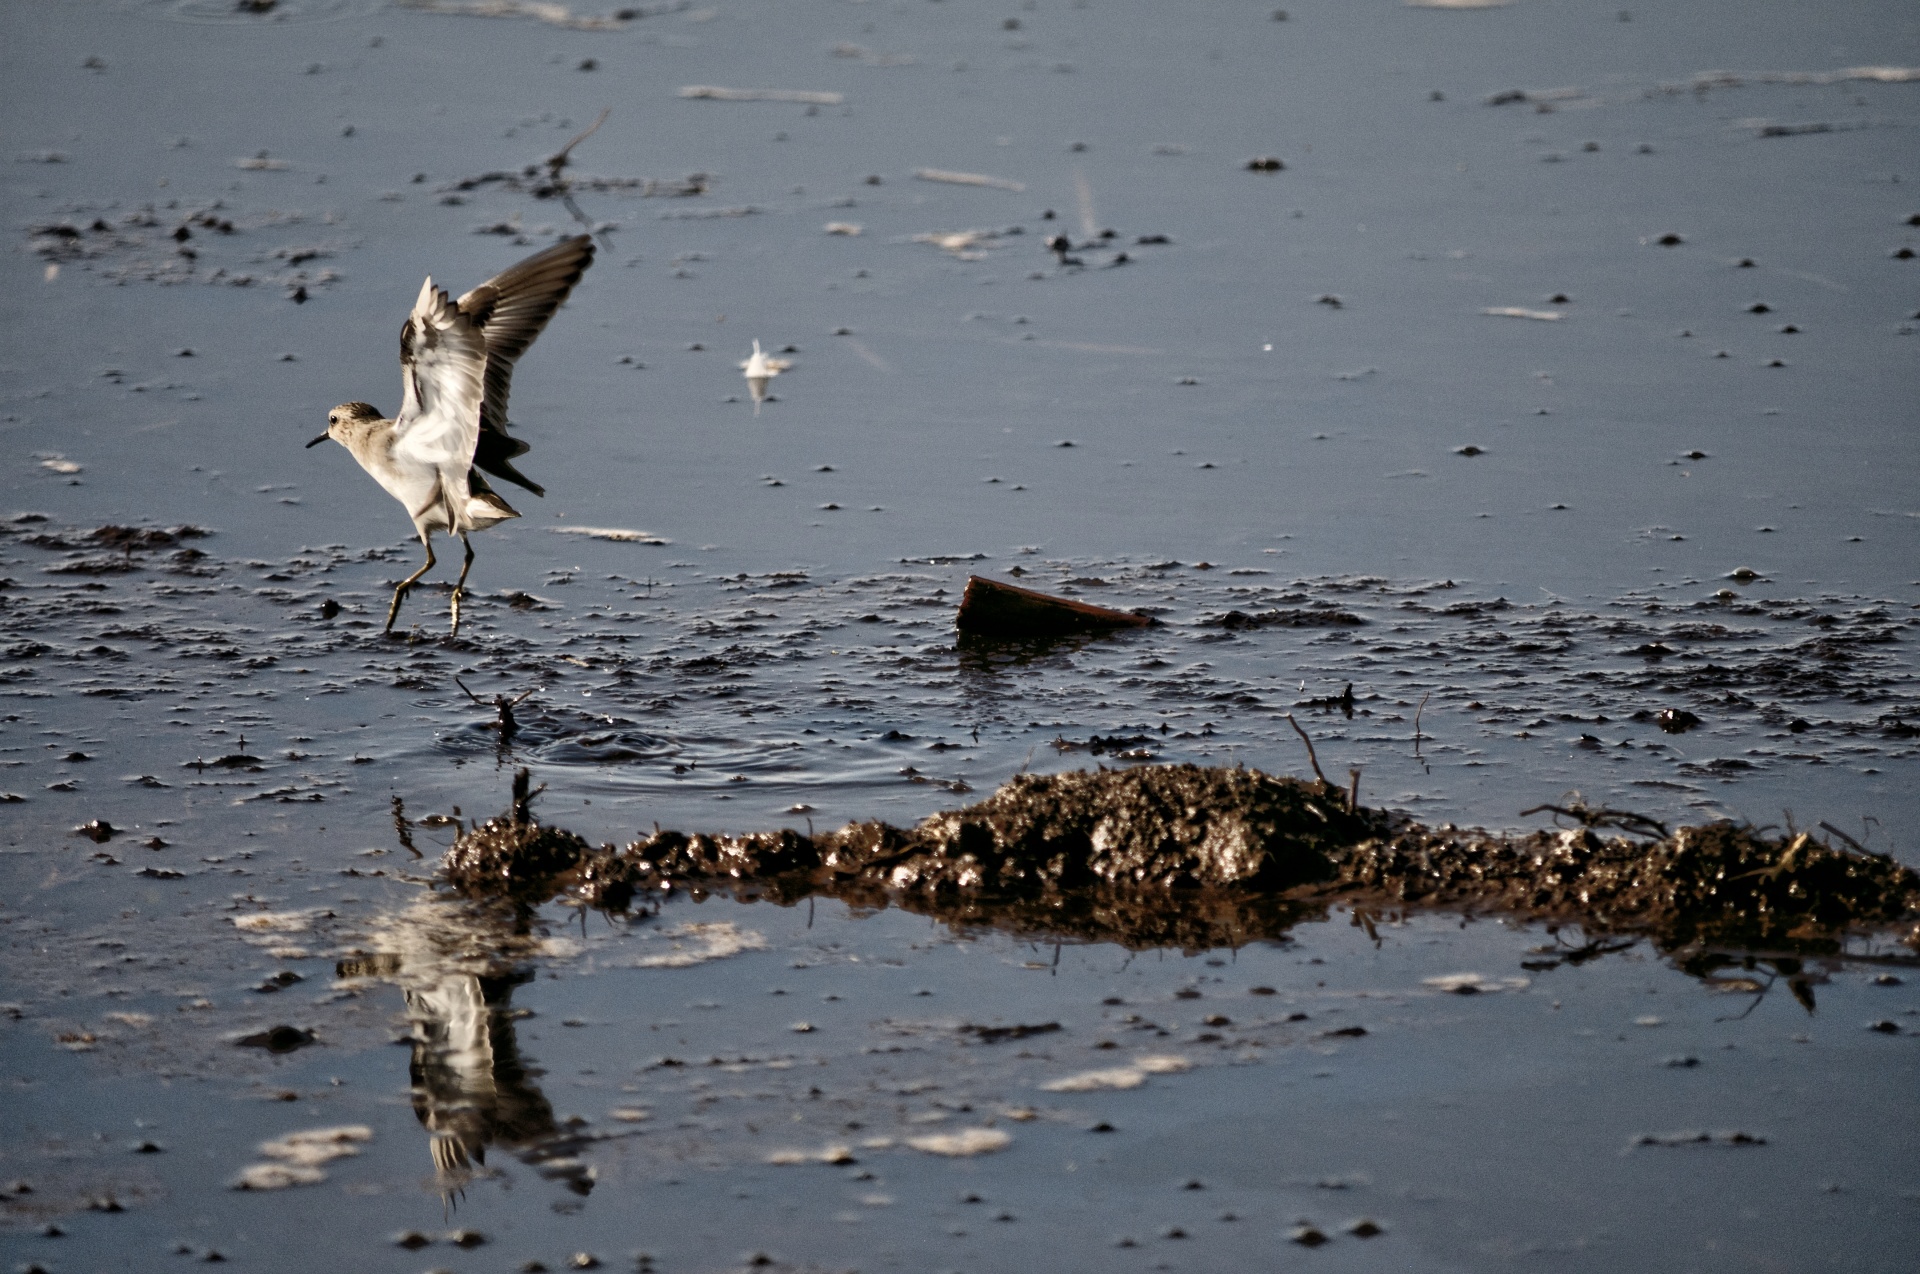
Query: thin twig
x=1416, y=721
x=1311, y=756
x=564, y=188
x=1353, y=793
x=1586, y=816
x=1843, y=836
x=558, y=160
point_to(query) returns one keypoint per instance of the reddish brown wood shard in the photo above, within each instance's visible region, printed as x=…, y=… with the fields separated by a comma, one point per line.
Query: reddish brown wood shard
x=993, y=609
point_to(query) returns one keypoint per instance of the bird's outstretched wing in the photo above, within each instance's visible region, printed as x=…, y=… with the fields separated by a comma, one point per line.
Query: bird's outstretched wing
x=511, y=309
x=443, y=357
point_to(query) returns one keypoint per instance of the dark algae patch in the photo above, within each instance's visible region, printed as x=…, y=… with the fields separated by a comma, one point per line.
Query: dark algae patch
x=1202, y=857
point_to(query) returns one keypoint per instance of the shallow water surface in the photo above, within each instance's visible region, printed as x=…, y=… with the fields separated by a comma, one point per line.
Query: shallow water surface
x=1562, y=375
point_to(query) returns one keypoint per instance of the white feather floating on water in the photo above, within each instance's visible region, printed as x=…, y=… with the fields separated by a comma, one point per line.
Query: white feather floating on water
x=968, y=179
x=714, y=93
x=618, y=534
x=964, y=244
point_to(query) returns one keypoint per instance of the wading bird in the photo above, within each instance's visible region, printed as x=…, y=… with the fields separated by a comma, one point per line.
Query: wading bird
x=759, y=369
x=456, y=362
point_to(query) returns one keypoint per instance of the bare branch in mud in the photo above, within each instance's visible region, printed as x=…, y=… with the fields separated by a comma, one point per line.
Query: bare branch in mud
x=558, y=160
x=506, y=725
x=1829, y=827
x=523, y=798
x=1311, y=756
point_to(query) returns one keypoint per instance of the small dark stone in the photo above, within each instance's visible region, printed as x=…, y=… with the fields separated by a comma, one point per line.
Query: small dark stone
x=277, y=1039
x=1306, y=1236
x=1886, y=1027
x=97, y=830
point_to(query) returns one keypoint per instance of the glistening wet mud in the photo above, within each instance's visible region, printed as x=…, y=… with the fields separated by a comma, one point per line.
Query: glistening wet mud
x=1192, y=858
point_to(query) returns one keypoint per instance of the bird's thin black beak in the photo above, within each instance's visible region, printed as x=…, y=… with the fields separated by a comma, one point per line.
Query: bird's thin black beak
x=317, y=441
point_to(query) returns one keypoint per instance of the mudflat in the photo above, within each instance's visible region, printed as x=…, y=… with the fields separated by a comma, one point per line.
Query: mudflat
x=1514, y=399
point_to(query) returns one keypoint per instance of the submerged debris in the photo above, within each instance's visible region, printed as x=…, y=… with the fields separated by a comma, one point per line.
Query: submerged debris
x=992, y=609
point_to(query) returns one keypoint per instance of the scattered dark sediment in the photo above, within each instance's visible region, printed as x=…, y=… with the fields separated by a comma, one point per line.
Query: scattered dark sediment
x=1204, y=857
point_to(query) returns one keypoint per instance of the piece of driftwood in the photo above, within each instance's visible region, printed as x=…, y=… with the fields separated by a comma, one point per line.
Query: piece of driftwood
x=992, y=609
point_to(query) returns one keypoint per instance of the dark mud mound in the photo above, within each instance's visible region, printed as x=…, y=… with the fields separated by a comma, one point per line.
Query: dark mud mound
x=1156, y=827
x=1719, y=884
x=513, y=856
x=1193, y=857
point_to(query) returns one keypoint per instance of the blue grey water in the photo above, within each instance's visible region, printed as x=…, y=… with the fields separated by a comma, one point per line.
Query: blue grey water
x=1571, y=350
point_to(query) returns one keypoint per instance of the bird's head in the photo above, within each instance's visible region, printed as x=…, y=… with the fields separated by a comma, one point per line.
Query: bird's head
x=343, y=420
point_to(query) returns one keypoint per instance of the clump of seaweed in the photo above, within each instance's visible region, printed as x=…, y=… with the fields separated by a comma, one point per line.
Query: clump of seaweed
x=1201, y=857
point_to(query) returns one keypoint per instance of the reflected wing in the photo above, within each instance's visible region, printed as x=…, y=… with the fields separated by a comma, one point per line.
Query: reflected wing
x=443, y=359
x=512, y=308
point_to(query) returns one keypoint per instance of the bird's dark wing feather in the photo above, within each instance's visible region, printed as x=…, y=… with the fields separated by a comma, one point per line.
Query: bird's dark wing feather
x=511, y=309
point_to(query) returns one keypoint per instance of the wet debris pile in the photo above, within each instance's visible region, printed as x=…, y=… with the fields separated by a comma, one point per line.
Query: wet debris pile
x=513, y=855
x=1196, y=857
x=1718, y=884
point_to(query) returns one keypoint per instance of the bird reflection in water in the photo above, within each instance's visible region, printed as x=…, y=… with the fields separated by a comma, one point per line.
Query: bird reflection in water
x=458, y=965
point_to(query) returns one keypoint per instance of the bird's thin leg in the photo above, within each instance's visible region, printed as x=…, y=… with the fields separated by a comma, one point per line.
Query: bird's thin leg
x=461, y=583
x=409, y=582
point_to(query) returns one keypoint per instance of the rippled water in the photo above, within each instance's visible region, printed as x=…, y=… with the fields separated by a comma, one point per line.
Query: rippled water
x=1435, y=411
